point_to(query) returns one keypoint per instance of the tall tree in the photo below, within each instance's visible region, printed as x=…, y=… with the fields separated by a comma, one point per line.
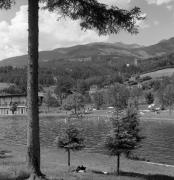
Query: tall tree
x=149, y=97
x=74, y=102
x=118, y=96
x=169, y=96
x=33, y=139
x=124, y=136
x=98, y=99
x=63, y=87
x=70, y=139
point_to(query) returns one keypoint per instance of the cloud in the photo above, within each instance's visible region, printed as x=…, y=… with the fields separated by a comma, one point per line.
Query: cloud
x=156, y=23
x=53, y=33
x=159, y=2
x=119, y=3
x=125, y=3
x=169, y=7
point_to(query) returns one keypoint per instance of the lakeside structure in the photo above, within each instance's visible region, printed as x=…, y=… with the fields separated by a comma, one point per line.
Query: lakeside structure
x=7, y=101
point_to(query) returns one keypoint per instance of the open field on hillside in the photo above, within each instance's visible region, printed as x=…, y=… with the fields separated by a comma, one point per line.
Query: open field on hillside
x=159, y=73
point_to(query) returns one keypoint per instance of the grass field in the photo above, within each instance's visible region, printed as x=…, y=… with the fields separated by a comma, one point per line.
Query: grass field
x=54, y=165
x=159, y=73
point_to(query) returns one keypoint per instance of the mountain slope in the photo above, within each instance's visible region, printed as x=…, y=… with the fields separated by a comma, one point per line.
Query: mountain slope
x=161, y=48
x=115, y=51
x=74, y=53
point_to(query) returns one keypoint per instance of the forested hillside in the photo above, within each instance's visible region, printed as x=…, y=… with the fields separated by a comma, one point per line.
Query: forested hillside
x=99, y=64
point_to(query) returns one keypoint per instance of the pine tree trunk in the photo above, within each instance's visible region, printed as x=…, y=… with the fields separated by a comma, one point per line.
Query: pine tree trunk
x=33, y=139
x=69, y=157
x=118, y=164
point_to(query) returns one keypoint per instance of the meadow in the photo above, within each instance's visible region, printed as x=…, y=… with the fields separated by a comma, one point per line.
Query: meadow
x=159, y=73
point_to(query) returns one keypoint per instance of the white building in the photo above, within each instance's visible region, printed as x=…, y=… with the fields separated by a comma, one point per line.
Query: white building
x=7, y=100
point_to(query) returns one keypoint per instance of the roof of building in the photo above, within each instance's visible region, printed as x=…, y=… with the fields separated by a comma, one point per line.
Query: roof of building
x=40, y=94
x=12, y=95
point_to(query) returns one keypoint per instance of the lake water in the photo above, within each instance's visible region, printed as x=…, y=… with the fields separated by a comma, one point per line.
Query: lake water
x=157, y=147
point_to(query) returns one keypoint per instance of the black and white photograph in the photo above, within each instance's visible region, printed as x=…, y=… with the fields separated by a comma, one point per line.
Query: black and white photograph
x=87, y=89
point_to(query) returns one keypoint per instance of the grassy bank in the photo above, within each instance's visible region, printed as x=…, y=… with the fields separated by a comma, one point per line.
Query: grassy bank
x=54, y=166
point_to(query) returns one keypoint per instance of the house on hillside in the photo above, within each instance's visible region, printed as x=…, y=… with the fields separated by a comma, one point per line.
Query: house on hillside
x=8, y=100
x=93, y=89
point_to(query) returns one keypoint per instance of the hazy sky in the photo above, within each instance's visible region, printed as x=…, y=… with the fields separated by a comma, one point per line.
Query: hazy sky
x=159, y=25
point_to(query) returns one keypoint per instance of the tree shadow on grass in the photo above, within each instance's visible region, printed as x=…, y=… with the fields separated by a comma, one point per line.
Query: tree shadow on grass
x=4, y=177
x=147, y=177
x=21, y=176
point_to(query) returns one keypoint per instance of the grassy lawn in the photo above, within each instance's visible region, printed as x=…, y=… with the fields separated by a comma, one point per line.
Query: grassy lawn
x=163, y=115
x=54, y=165
x=160, y=73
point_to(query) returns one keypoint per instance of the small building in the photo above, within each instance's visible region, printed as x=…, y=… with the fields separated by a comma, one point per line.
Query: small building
x=6, y=110
x=7, y=101
x=93, y=89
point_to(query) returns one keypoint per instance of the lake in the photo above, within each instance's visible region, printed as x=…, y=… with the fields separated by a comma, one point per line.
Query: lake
x=157, y=147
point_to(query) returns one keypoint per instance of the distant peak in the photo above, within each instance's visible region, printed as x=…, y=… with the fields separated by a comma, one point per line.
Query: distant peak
x=166, y=40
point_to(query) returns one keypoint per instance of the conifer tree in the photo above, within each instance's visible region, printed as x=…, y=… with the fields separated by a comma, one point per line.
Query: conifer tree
x=70, y=139
x=124, y=136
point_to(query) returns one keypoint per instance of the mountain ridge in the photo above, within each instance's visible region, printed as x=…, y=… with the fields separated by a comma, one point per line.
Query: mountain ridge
x=116, y=51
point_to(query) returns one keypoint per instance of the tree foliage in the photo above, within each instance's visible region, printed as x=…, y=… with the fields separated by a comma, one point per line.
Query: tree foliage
x=149, y=97
x=64, y=87
x=50, y=101
x=82, y=86
x=118, y=95
x=74, y=102
x=169, y=96
x=95, y=15
x=98, y=99
x=124, y=136
x=70, y=139
x=135, y=94
x=6, y=4
x=13, y=107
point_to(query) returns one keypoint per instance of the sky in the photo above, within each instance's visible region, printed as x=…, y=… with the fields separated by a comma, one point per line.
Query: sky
x=54, y=33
